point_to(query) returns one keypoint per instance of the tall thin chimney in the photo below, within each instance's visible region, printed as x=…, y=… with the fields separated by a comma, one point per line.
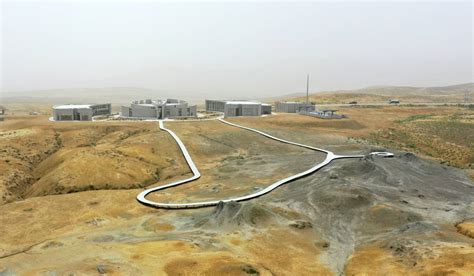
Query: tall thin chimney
x=307, y=89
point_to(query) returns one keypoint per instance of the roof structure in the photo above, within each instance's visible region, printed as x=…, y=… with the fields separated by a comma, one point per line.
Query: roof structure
x=242, y=102
x=72, y=106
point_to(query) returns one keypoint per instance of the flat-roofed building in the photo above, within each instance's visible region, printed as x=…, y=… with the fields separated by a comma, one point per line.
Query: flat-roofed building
x=266, y=109
x=238, y=108
x=294, y=107
x=2, y=112
x=80, y=112
x=159, y=109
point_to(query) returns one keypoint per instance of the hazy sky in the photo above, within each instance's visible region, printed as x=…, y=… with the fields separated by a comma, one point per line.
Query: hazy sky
x=242, y=48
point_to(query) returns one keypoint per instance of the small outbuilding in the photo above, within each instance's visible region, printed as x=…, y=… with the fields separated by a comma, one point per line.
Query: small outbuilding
x=294, y=107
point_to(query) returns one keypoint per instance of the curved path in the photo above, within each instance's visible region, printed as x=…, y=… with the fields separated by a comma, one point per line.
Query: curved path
x=330, y=156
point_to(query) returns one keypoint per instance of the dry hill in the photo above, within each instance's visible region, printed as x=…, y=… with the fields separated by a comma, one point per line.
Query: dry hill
x=399, y=216
x=377, y=94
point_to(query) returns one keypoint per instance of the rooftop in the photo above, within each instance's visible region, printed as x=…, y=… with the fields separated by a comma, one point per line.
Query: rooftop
x=297, y=103
x=144, y=104
x=168, y=102
x=72, y=106
x=242, y=102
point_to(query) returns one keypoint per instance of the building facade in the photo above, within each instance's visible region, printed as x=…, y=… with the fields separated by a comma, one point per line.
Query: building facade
x=238, y=108
x=294, y=107
x=81, y=112
x=159, y=109
x=2, y=112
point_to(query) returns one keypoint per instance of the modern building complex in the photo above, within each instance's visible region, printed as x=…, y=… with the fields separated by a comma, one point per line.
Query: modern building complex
x=238, y=108
x=159, y=109
x=80, y=112
x=294, y=107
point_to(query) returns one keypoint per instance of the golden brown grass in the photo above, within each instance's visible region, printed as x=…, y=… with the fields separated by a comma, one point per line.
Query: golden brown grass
x=442, y=259
x=41, y=157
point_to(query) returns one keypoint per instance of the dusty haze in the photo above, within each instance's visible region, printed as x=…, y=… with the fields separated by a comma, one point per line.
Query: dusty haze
x=223, y=50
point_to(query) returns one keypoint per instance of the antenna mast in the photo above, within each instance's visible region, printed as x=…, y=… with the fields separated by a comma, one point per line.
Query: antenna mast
x=307, y=89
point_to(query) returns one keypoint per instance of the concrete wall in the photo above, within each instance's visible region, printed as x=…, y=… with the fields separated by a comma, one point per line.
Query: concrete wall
x=180, y=110
x=233, y=110
x=126, y=111
x=193, y=111
x=215, y=105
x=251, y=109
x=76, y=114
x=238, y=108
x=101, y=109
x=266, y=109
x=143, y=111
x=294, y=107
x=160, y=110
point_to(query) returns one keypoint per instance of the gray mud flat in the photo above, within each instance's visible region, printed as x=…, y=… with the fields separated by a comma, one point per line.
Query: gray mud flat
x=351, y=203
x=421, y=196
x=404, y=205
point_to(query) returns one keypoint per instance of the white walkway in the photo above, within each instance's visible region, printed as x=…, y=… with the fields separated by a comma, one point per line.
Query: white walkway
x=196, y=174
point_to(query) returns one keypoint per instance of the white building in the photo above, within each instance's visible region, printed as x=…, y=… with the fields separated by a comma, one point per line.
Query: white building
x=2, y=113
x=294, y=107
x=159, y=109
x=80, y=112
x=239, y=108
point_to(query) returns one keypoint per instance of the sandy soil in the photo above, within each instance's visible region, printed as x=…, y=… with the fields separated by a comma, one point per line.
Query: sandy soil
x=233, y=162
x=43, y=158
x=398, y=216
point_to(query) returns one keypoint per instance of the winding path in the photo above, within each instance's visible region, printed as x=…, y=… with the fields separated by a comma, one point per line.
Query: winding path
x=330, y=156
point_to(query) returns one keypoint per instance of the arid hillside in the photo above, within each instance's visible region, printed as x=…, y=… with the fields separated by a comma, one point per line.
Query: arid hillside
x=443, y=133
x=43, y=158
x=407, y=215
x=381, y=94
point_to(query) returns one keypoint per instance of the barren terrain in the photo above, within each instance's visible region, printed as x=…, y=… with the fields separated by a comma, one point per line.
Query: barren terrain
x=381, y=94
x=404, y=215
